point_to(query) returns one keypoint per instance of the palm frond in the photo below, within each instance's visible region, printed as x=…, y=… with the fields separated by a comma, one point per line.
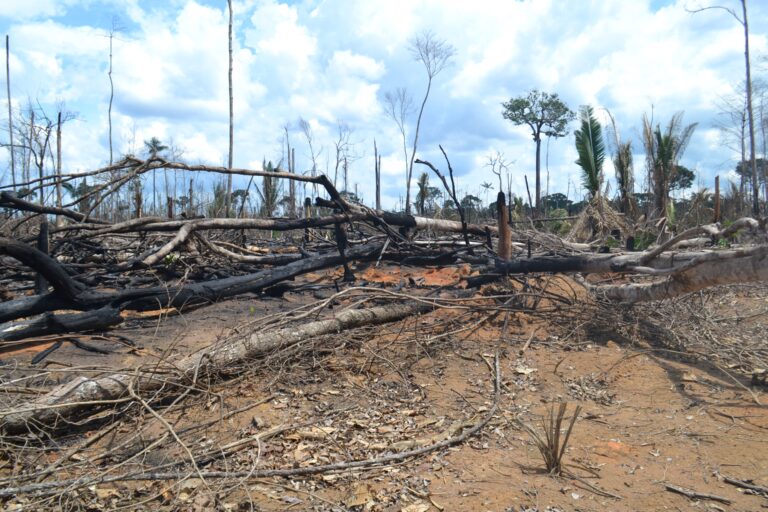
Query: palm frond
x=69, y=188
x=622, y=162
x=591, y=149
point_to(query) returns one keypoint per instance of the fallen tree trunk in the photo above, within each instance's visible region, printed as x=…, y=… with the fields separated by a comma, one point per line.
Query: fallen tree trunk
x=9, y=200
x=437, y=225
x=682, y=272
x=51, y=323
x=161, y=225
x=699, y=274
x=83, y=395
x=70, y=294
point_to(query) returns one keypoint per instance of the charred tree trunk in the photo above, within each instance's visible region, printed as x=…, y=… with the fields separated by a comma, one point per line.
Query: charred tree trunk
x=41, y=285
x=505, y=235
x=69, y=294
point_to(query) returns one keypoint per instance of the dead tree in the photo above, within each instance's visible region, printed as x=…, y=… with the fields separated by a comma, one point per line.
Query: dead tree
x=231, y=117
x=10, y=116
x=435, y=55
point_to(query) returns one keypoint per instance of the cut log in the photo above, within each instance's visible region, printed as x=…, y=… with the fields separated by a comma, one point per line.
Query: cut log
x=85, y=395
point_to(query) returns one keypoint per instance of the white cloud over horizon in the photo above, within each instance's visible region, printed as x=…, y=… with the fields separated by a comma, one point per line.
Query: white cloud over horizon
x=332, y=61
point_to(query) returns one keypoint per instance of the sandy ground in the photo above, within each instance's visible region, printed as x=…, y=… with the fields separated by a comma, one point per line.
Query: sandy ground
x=650, y=417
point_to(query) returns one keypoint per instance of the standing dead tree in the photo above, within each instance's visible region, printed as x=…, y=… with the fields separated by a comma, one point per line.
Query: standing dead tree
x=452, y=192
x=314, y=153
x=290, y=157
x=434, y=54
x=398, y=105
x=377, y=172
x=744, y=22
x=114, y=28
x=10, y=116
x=228, y=203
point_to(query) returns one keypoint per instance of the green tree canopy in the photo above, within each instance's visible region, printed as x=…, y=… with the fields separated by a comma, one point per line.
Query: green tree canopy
x=744, y=169
x=545, y=114
x=683, y=178
x=556, y=201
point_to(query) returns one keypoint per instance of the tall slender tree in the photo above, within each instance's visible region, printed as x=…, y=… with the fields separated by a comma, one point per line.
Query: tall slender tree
x=114, y=28
x=623, y=167
x=435, y=55
x=290, y=158
x=58, y=167
x=744, y=22
x=545, y=114
x=398, y=105
x=625, y=176
x=377, y=171
x=10, y=116
x=314, y=153
x=228, y=200
x=153, y=147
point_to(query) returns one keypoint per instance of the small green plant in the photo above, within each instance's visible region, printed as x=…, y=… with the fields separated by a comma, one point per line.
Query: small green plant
x=643, y=240
x=553, y=442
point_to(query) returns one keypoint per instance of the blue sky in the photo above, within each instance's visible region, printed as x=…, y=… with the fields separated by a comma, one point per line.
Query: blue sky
x=332, y=61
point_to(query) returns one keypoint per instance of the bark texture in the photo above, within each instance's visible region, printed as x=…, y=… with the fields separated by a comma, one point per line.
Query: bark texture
x=84, y=395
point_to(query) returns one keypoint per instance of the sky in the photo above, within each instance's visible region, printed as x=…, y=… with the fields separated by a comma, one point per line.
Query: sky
x=331, y=62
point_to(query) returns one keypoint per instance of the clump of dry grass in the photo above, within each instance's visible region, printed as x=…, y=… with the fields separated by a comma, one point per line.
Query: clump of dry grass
x=549, y=443
x=596, y=221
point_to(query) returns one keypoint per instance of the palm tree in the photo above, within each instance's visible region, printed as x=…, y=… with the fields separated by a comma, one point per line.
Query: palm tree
x=488, y=186
x=421, y=196
x=663, y=151
x=623, y=166
x=81, y=194
x=269, y=193
x=591, y=150
x=625, y=176
x=153, y=147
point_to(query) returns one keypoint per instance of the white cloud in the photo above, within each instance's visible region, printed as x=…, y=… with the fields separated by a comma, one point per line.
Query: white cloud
x=346, y=64
x=331, y=61
x=25, y=9
x=283, y=46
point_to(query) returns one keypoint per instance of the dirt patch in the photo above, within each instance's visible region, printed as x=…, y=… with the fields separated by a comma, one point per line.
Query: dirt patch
x=650, y=417
x=444, y=276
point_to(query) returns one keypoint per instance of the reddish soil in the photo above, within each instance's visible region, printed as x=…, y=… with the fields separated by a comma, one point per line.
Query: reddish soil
x=649, y=418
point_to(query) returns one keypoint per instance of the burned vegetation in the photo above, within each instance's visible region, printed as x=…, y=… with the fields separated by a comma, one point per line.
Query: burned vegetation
x=346, y=358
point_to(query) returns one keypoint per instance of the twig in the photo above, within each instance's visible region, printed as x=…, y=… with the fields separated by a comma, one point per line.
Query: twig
x=696, y=495
x=48, y=488
x=594, y=488
x=744, y=484
x=170, y=429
